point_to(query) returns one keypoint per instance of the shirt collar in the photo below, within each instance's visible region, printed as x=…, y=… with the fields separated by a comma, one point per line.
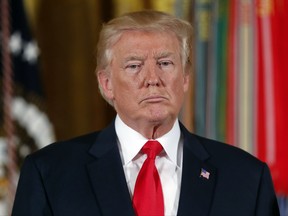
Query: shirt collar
x=131, y=142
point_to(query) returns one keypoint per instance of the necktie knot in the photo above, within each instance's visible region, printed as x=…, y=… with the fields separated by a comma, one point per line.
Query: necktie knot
x=152, y=148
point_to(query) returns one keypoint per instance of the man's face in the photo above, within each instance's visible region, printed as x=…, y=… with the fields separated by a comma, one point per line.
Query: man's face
x=147, y=80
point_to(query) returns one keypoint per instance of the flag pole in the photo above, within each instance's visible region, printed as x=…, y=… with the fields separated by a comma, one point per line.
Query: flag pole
x=7, y=103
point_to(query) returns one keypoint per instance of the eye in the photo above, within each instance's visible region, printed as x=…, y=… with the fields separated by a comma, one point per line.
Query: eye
x=165, y=64
x=133, y=67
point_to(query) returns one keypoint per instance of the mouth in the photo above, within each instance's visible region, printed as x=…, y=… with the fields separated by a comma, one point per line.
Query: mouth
x=154, y=99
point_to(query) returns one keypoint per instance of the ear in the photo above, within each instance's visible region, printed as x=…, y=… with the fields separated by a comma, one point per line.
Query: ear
x=186, y=81
x=105, y=82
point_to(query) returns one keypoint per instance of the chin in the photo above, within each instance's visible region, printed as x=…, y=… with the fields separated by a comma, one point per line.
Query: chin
x=158, y=118
x=159, y=114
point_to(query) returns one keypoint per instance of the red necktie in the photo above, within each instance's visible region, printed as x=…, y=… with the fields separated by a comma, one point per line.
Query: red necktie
x=148, y=195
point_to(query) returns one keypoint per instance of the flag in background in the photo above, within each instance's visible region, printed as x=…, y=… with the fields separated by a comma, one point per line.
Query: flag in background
x=241, y=80
x=32, y=128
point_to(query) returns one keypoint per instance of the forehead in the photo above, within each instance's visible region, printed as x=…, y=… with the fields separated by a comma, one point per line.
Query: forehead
x=148, y=42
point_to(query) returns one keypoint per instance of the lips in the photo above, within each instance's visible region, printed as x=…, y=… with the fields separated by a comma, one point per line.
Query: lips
x=154, y=99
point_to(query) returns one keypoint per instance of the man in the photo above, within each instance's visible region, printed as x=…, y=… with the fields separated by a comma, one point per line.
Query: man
x=143, y=66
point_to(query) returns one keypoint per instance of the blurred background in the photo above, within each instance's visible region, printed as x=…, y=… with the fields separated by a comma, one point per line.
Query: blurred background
x=49, y=90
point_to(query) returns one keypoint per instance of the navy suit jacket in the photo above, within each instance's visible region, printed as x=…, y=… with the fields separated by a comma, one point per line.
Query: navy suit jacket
x=84, y=176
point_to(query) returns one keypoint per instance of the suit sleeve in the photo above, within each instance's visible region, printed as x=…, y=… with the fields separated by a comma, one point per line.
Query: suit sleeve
x=30, y=196
x=267, y=202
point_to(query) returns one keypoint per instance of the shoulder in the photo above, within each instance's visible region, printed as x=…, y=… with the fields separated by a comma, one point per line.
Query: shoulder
x=225, y=152
x=63, y=153
x=79, y=143
x=231, y=160
x=217, y=152
x=72, y=152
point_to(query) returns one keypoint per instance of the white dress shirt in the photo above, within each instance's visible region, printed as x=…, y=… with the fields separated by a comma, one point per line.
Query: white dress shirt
x=168, y=162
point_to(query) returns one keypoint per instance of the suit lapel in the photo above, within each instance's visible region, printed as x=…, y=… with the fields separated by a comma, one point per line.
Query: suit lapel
x=107, y=175
x=196, y=191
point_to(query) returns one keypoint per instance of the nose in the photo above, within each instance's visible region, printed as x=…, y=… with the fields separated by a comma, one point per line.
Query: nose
x=152, y=76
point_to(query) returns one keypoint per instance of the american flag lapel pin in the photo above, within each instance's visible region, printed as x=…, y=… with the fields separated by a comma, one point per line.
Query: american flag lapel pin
x=204, y=174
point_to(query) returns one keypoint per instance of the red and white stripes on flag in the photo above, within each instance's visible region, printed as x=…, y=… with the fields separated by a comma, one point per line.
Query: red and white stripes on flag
x=254, y=97
x=272, y=97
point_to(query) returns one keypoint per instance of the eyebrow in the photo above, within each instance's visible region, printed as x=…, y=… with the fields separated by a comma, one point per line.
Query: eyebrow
x=134, y=57
x=158, y=55
x=163, y=54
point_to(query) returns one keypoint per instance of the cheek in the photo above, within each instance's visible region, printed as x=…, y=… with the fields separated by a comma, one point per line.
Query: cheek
x=124, y=88
x=179, y=85
x=178, y=90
